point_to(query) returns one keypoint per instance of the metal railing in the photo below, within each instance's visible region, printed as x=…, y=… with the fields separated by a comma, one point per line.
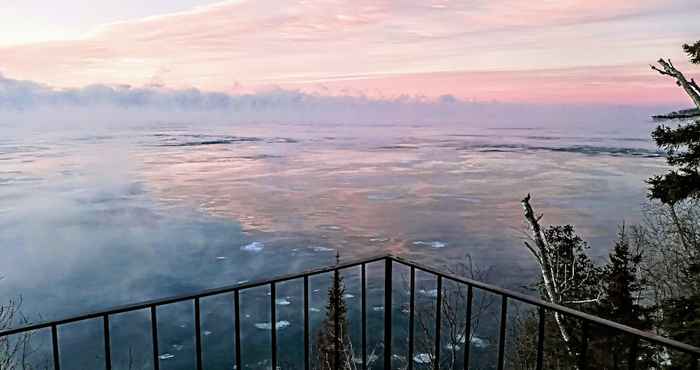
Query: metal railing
x=389, y=260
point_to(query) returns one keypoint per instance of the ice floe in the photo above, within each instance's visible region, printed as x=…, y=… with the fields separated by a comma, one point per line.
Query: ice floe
x=253, y=247
x=378, y=308
x=282, y=302
x=166, y=356
x=267, y=326
x=422, y=358
x=432, y=293
x=432, y=244
x=379, y=240
x=321, y=249
x=348, y=296
x=475, y=341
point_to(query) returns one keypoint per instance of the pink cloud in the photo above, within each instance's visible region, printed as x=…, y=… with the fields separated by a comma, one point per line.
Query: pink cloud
x=598, y=85
x=261, y=42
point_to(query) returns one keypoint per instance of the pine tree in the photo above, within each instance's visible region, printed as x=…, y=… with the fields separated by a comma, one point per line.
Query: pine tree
x=622, y=289
x=681, y=144
x=332, y=341
x=693, y=52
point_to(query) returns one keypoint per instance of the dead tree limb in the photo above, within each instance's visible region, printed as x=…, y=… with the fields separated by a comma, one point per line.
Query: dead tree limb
x=690, y=87
x=541, y=253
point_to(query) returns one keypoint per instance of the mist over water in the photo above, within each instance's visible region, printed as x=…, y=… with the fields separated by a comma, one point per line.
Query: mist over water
x=91, y=218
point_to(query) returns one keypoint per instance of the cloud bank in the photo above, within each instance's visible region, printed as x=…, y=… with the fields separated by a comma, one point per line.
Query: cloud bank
x=31, y=103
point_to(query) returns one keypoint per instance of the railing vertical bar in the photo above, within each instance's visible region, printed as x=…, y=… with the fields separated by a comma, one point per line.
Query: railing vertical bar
x=364, y=316
x=154, y=338
x=502, y=333
x=632, y=359
x=438, y=323
x=387, y=313
x=411, y=308
x=540, y=339
x=582, y=360
x=468, y=327
x=198, y=333
x=307, y=365
x=107, y=342
x=337, y=334
x=273, y=327
x=237, y=313
x=54, y=344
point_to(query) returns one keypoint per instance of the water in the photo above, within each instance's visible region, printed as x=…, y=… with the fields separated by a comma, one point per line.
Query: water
x=91, y=218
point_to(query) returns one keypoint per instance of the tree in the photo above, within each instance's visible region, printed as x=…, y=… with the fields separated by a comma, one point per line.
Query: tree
x=568, y=275
x=670, y=238
x=333, y=346
x=453, y=313
x=681, y=144
x=622, y=293
x=691, y=88
x=15, y=353
x=693, y=52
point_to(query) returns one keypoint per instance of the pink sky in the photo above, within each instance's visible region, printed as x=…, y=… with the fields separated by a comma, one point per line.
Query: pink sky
x=547, y=51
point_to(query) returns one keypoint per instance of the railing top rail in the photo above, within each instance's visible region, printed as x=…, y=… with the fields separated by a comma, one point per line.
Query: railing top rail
x=189, y=296
x=477, y=284
x=554, y=307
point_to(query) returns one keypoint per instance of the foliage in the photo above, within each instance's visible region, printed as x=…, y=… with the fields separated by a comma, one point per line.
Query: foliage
x=681, y=144
x=693, y=52
x=15, y=352
x=682, y=147
x=332, y=341
x=453, y=316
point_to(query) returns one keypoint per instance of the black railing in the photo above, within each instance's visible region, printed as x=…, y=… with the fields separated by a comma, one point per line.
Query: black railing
x=389, y=260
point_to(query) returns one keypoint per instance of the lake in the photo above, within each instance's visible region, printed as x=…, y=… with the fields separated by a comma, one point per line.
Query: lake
x=105, y=216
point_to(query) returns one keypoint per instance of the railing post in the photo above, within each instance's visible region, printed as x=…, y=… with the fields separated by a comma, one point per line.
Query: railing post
x=540, y=339
x=412, y=308
x=336, y=327
x=468, y=327
x=438, y=323
x=154, y=338
x=307, y=365
x=197, y=334
x=237, y=313
x=273, y=319
x=54, y=343
x=387, y=313
x=632, y=358
x=583, y=356
x=502, y=333
x=107, y=342
x=364, y=317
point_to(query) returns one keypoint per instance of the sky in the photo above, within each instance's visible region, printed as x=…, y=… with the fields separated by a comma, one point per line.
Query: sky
x=523, y=51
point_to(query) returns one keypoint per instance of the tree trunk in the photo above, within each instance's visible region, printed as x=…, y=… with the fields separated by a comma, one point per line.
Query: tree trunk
x=542, y=256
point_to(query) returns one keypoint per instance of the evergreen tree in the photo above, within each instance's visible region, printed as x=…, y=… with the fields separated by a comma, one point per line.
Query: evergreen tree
x=681, y=144
x=622, y=289
x=693, y=52
x=332, y=342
